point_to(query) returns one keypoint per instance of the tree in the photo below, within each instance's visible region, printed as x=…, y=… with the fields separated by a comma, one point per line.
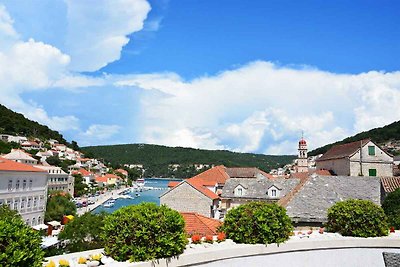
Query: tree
x=19, y=243
x=58, y=205
x=75, y=146
x=83, y=233
x=80, y=187
x=53, y=160
x=391, y=206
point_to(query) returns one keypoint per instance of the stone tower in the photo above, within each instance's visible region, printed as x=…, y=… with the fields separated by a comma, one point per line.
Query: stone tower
x=302, y=164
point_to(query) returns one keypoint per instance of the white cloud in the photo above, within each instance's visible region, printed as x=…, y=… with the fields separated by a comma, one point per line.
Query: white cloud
x=97, y=30
x=7, y=32
x=262, y=107
x=97, y=133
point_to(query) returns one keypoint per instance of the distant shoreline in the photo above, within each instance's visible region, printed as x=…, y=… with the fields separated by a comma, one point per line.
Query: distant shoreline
x=160, y=178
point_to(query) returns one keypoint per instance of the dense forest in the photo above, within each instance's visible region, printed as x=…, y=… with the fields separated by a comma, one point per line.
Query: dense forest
x=378, y=135
x=14, y=123
x=156, y=159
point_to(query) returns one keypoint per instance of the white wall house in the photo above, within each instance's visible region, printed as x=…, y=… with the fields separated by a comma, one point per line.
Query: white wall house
x=58, y=180
x=24, y=189
x=360, y=158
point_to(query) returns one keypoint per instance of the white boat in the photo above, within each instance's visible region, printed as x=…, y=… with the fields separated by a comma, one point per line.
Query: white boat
x=109, y=203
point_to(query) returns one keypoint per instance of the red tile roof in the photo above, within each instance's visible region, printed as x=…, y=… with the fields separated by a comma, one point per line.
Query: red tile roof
x=343, y=151
x=390, y=184
x=199, y=224
x=122, y=171
x=210, y=177
x=9, y=165
x=101, y=179
x=198, y=185
x=173, y=184
x=84, y=172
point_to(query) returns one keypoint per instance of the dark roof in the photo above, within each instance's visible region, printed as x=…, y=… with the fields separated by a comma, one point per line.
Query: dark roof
x=343, y=151
x=391, y=259
x=319, y=193
x=245, y=172
x=390, y=184
x=257, y=188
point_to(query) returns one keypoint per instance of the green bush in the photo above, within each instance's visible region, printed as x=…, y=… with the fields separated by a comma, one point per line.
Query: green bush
x=144, y=232
x=19, y=243
x=360, y=218
x=391, y=206
x=58, y=205
x=83, y=232
x=257, y=223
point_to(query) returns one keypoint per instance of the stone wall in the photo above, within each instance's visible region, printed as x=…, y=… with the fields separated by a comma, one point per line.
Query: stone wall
x=185, y=198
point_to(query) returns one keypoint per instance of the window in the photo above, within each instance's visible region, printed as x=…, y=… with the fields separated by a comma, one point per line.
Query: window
x=9, y=185
x=35, y=202
x=24, y=185
x=33, y=221
x=23, y=203
x=9, y=203
x=27, y=222
x=39, y=220
x=371, y=150
x=17, y=185
x=239, y=191
x=29, y=203
x=273, y=192
x=16, y=205
x=372, y=172
x=30, y=184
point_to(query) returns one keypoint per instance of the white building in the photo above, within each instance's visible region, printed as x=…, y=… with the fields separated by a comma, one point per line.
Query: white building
x=20, y=156
x=24, y=189
x=58, y=180
x=360, y=158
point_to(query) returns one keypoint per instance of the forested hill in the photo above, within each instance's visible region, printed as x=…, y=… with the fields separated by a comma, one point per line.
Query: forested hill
x=380, y=135
x=14, y=123
x=156, y=158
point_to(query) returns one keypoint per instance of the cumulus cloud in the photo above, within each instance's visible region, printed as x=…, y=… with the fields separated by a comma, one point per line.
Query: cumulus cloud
x=97, y=133
x=263, y=107
x=98, y=29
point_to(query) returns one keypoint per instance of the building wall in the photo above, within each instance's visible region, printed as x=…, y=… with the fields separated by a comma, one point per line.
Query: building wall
x=339, y=166
x=382, y=169
x=185, y=198
x=29, y=202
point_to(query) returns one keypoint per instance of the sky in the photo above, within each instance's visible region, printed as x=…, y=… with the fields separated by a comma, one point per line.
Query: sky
x=247, y=76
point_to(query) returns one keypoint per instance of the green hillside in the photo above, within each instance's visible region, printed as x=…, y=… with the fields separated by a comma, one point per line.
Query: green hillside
x=14, y=123
x=378, y=135
x=156, y=158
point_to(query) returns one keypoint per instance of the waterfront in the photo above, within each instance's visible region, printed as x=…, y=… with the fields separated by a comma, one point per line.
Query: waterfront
x=145, y=196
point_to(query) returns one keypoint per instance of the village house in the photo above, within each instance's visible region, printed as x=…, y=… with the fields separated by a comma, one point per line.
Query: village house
x=23, y=188
x=360, y=158
x=28, y=145
x=87, y=176
x=58, y=180
x=20, y=156
x=107, y=179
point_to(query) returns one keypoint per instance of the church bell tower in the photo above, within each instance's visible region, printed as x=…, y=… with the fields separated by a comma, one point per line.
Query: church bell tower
x=302, y=164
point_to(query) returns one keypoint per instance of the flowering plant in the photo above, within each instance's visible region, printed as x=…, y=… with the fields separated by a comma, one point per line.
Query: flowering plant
x=63, y=263
x=196, y=239
x=209, y=239
x=221, y=237
x=82, y=260
x=96, y=257
x=51, y=264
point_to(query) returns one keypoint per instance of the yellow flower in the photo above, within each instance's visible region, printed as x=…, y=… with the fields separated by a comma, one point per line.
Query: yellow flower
x=51, y=264
x=96, y=257
x=63, y=263
x=82, y=260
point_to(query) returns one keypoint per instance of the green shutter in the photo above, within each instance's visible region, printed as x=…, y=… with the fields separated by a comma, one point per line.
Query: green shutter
x=372, y=172
x=371, y=150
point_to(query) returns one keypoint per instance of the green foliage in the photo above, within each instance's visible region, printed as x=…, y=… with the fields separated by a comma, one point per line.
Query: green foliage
x=6, y=212
x=379, y=135
x=391, y=206
x=355, y=217
x=84, y=232
x=19, y=244
x=54, y=161
x=257, y=223
x=16, y=124
x=5, y=148
x=80, y=188
x=144, y=232
x=156, y=158
x=59, y=205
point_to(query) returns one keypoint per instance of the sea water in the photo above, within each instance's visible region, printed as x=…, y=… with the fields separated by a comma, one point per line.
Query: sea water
x=145, y=196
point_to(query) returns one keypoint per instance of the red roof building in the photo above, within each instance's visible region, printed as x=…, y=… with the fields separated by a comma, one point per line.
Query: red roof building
x=198, y=224
x=9, y=165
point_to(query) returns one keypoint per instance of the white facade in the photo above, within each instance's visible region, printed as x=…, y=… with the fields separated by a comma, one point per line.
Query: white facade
x=25, y=192
x=58, y=180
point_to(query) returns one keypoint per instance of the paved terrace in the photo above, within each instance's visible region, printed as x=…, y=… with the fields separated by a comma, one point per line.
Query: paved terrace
x=326, y=250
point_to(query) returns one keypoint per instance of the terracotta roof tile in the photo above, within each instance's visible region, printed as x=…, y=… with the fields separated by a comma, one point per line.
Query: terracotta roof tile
x=173, y=184
x=390, y=184
x=198, y=185
x=9, y=165
x=342, y=151
x=199, y=224
x=210, y=177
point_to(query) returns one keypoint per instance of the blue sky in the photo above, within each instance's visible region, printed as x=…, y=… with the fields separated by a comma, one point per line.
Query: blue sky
x=238, y=75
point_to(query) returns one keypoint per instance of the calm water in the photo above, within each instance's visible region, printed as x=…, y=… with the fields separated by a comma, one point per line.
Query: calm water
x=145, y=196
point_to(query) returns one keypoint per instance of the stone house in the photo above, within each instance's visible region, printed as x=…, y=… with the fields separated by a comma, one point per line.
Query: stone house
x=360, y=158
x=239, y=191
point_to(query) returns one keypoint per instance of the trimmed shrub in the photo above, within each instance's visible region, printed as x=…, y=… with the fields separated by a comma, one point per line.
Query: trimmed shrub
x=391, y=206
x=360, y=218
x=19, y=243
x=257, y=223
x=144, y=232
